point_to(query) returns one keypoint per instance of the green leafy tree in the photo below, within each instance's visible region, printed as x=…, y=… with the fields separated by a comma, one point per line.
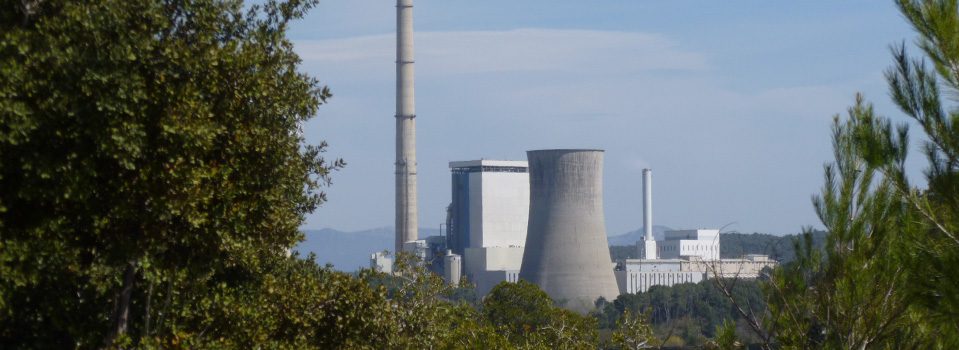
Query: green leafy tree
x=283, y=303
x=517, y=309
x=151, y=159
x=632, y=332
x=529, y=319
x=426, y=312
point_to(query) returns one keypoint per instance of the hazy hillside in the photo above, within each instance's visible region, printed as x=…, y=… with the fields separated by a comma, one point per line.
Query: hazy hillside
x=777, y=247
x=349, y=251
x=734, y=245
x=631, y=237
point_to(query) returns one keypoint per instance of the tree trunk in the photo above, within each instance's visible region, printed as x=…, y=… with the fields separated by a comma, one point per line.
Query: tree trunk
x=121, y=310
x=148, y=311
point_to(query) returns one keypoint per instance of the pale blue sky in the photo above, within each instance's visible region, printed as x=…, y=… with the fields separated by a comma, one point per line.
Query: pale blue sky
x=729, y=102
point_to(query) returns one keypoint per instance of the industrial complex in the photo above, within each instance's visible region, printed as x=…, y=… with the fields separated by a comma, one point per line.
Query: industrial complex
x=540, y=220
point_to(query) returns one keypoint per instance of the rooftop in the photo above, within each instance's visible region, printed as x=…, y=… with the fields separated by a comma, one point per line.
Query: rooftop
x=489, y=162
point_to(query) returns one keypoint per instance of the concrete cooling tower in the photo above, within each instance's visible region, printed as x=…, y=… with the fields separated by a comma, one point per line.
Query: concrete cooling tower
x=567, y=254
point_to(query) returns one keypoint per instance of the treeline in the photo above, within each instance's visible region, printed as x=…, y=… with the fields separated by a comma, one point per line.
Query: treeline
x=735, y=245
x=689, y=314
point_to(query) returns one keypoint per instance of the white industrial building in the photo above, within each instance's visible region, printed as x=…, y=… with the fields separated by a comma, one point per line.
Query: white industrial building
x=487, y=219
x=683, y=256
x=700, y=243
x=638, y=275
x=382, y=262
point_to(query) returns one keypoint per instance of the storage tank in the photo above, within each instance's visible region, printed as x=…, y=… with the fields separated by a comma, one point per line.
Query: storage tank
x=452, y=268
x=567, y=254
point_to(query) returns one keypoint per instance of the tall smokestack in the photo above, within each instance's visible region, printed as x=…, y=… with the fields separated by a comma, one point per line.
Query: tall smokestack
x=648, y=203
x=648, y=248
x=406, y=213
x=567, y=254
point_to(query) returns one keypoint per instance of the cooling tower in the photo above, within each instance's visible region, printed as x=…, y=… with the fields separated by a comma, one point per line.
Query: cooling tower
x=567, y=254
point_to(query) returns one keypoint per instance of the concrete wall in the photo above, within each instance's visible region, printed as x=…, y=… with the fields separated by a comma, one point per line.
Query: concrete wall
x=381, y=262
x=417, y=248
x=640, y=282
x=637, y=275
x=476, y=260
x=567, y=254
x=490, y=204
x=486, y=280
x=504, y=208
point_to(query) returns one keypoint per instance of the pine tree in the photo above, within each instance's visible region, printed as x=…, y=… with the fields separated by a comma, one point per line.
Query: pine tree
x=889, y=274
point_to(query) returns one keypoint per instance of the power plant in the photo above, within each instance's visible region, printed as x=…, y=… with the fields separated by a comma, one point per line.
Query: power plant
x=540, y=220
x=406, y=212
x=683, y=256
x=567, y=254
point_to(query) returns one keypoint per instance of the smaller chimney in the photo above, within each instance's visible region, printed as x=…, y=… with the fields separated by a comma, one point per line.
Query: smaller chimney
x=649, y=251
x=648, y=203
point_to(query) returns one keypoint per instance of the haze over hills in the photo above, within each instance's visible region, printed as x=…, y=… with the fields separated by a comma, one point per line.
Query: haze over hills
x=631, y=237
x=349, y=251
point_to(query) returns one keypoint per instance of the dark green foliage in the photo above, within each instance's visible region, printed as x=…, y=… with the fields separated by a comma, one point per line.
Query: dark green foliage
x=528, y=318
x=780, y=248
x=620, y=252
x=282, y=303
x=726, y=338
x=690, y=311
x=517, y=308
x=152, y=167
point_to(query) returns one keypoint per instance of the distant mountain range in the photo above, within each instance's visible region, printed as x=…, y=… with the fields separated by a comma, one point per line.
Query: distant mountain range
x=735, y=245
x=631, y=237
x=349, y=251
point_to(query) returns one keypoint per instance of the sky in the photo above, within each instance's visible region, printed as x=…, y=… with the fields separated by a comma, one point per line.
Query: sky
x=729, y=102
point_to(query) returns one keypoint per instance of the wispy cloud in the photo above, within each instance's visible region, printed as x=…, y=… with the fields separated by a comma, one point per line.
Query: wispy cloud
x=645, y=98
x=532, y=50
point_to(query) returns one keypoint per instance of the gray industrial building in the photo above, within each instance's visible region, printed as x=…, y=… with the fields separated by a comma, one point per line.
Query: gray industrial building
x=487, y=219
x=490, y=200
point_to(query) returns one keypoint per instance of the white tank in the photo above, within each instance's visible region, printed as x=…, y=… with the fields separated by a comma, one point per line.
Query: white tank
x=452, y=267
